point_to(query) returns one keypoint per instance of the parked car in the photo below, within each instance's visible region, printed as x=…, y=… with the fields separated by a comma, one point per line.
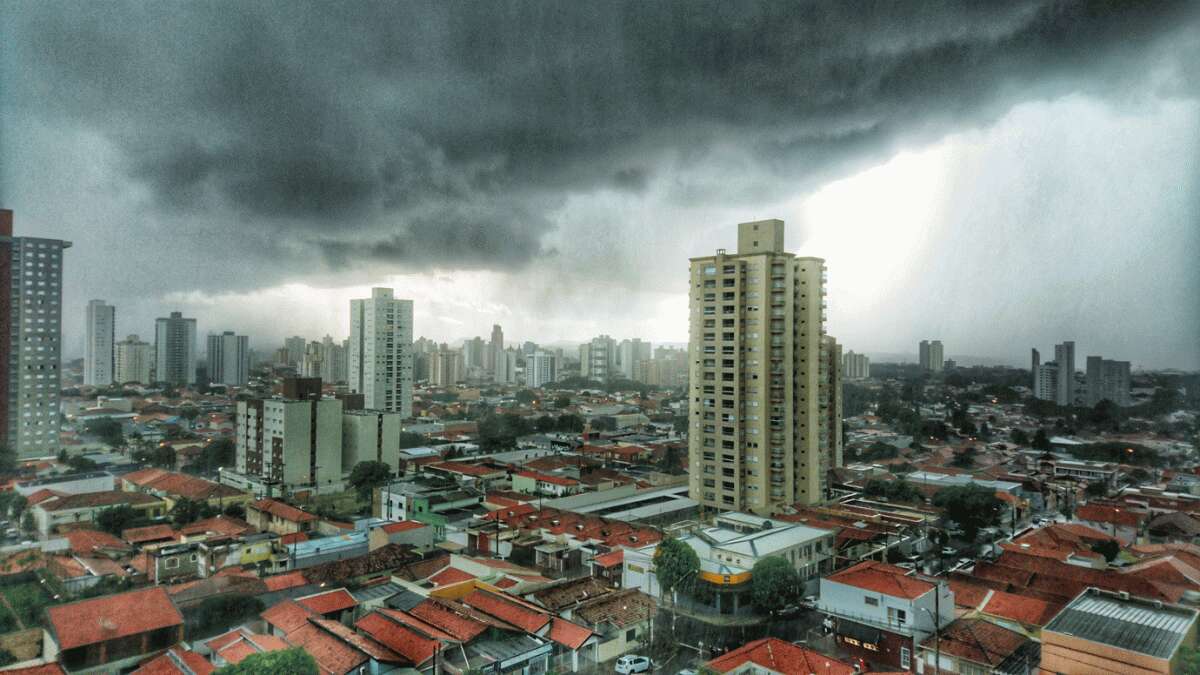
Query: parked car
x=809, y=602
x=632, y=663
x=785, y=612
x=949, y=552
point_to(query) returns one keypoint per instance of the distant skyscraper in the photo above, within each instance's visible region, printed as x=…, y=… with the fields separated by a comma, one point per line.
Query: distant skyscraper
x=505, y=367
x=1064, y=356
x=101, y=336
x=931, y=356
x=598, y=358
x=540, y=369
x=495, y=352
x=313, y=363
x=446, y=367
x=295, y=347
x=381, y=329
x=135, y=361
x=30, y=340
x=831, y=401
x=755, y=419
x=630, y=354
x=229, y=359
x=333, y=360
x=473, y=351
x=856, y=366
x=175, y=350
x=1107, y=380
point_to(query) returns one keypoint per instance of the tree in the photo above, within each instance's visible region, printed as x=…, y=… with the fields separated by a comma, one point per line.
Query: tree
x=676, y=565
x=185, y=511
x=162, y=456
x=525, y=397
x=985, y=431
x=1109, y=548
x=898, y=490
x=116, y=519
x=972, y=507
x=107, y=430
x=1189, y=660
x=672, y=459
x=27, y=523
x=235, y=511
x=225, y=610
x=1096, y=489
x=1019, y=437
x=217, y=453
x=965, y=458
x=366, y=476
x=562, y=401
x=774, y=583
x=294, y=661
x=1040, y=441
x=8, y=459
x=411, y=440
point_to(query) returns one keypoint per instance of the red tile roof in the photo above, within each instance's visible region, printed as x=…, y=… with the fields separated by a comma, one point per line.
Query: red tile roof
x=1026, y=610
x=421, y=627
x=179, y=484
x=363, y=643
x=283, y=511
x=293, y=538
x=567, y=634
x=1104, y=513
x=87, y=622
x=548, y=478
x=508, y=609
x=328, y=602
x=90, y=500
x=331, y=653
x=413, y=646
x=287, y=615
x=781, y=657
x=87, y=542
x=978, y=641
x=175, y=661
x=610, y=559
x=45, y=669
x=403, y=526
x=450, y=575
x=448, y=618
x=881, y=578
x=466, y=469
x=226, y=525
x=139, y=535
x=281, y=582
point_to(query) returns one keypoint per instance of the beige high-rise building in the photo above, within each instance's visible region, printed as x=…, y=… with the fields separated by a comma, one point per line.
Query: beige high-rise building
x=755, y=423
x=831, y=402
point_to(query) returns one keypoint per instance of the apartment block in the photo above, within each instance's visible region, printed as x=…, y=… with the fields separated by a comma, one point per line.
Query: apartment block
x=856, y=366
x=930, y=356
x=98, y=350
x=1107, y=380
x=831, y=403
x=229, y=359
x=134, y=361
x=756, y=324
x=175, y=349
x=381, y=363
x=370, y=436
x=31, y=326
x=292, y=441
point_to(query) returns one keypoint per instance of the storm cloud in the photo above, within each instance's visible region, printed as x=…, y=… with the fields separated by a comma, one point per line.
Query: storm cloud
x=304, y=139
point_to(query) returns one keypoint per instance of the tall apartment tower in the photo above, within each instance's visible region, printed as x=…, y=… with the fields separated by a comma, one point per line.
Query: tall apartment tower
x=541, y=368
x=757, y=319
x=293, y=440
x=175, y=349
x=381, y=330
x=135, y=361
x=856, y=366
x=333, y=360
x=229, y=359
x=101, y=336
x=295, y=347
x=495, y=352
x=831, y=402
x=629, y=354
x=931, y=356
x=30, y=340
x=1064, y=356
x=446, y=367
x=1107, y=380
x=598, y=358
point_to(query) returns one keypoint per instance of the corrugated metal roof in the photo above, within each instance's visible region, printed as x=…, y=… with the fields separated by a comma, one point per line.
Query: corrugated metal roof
x=1135, y=625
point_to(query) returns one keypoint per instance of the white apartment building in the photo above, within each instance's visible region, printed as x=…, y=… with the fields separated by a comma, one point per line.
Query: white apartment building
x=856, y=366
x=598, y=358
x=31, y=323
x=504, y=369
x=541, y=368
x=755, y=423
x=381, y=359
x=1107, y=380
x=98, y=351
x=629, y=354
x=134, y=362
x=931, y=356
x=229, y=359
x=1064, y=356
x=175, y=349
x=292, y=441
x=370, y=436
x=333, y=360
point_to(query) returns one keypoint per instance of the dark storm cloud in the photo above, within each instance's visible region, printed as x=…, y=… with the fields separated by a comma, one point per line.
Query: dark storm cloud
x=445, y=134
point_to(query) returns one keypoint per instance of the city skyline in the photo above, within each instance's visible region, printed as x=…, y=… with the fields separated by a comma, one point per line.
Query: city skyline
x=943, y=161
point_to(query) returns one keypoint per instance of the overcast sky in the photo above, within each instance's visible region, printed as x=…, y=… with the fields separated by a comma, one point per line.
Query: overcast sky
x=997, y=175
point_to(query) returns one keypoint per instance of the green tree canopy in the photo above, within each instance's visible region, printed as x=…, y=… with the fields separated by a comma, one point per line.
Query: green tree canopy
x=525, y=396
x=118, y=518
x=965, y=458
x=898, y=490
x=972, y=507
x=1019, y=437
x=293, y=661
x=774, y=583
x=366, y=476
x=1108, y=548
x=676, y=565
x=1040, y=440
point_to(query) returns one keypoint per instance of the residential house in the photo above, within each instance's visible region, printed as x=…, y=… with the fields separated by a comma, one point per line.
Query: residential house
x=548, y=484
x=114, y=632
x=772, y=656
x=272, y=515
x=882, y=613
x=1118, y=520
x=973, y=646
x=49, y=514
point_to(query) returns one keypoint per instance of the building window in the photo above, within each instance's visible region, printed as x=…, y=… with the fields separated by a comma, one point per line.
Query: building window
x=874, y=602
x=905, y=658
x=631, y=635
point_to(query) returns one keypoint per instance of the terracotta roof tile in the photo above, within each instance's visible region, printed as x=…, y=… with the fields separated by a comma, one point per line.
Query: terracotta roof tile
x=328, y=602
x=90, y=500
x=86, y=542
x=567, y=634
x=450, y=575
x=979, y=641
x=508, y=610
x=442, y=616
x=86, y=622
x=281, y=582
x=175, y=661
x=363, y=643
x=421, y=627
x=781, y=657
x=610, y=559
x=881, y=578
x=221, y=524
x=403, y=526
x=281, y=510
x=287, y=615
x=413, y=646
x=139, y=535
x=331, y=653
